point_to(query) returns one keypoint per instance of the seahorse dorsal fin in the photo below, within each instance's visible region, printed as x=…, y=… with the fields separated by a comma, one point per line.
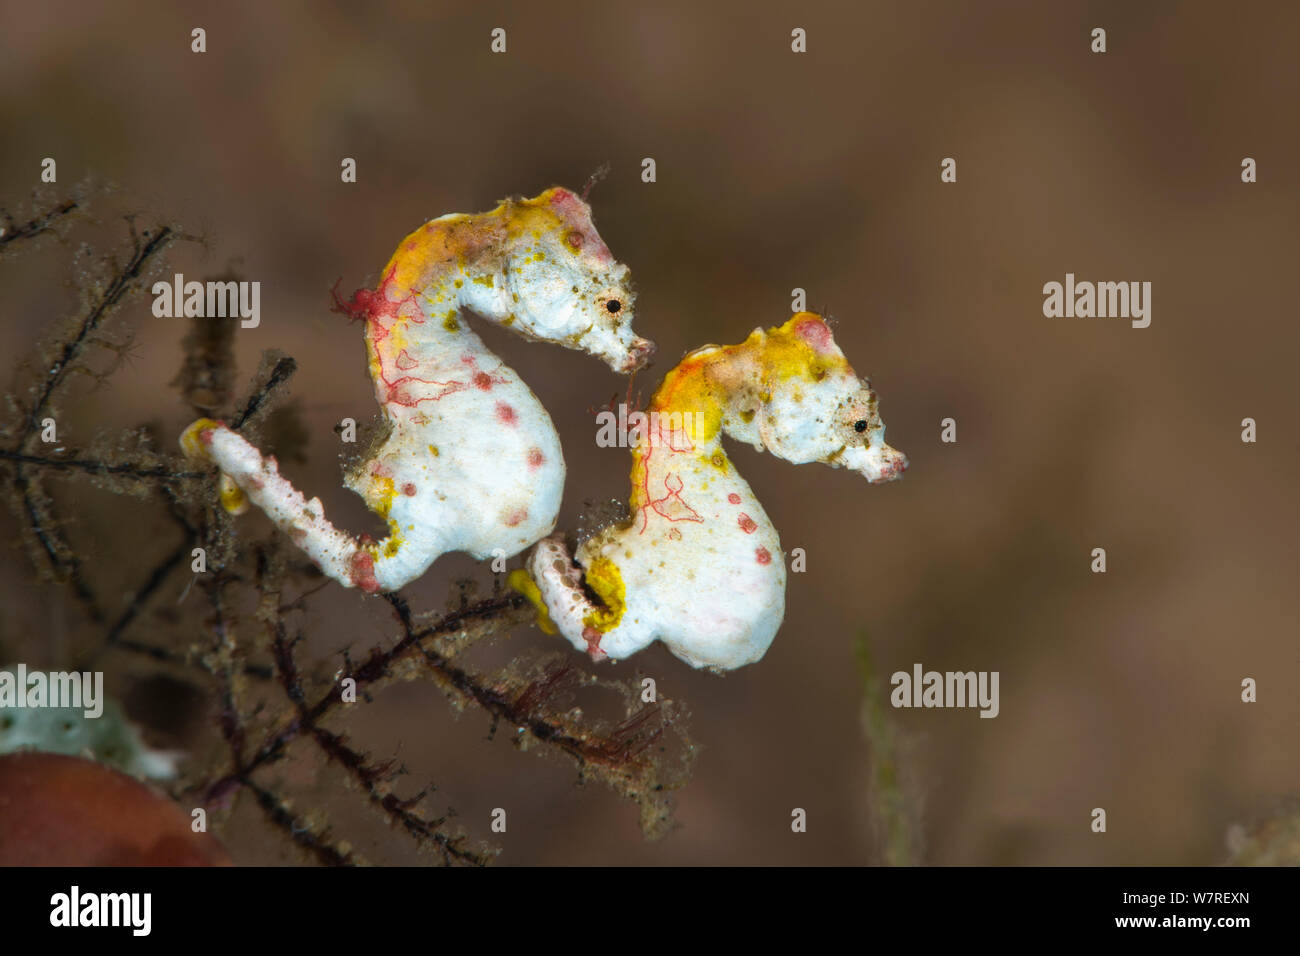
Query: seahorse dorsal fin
x=701, y=351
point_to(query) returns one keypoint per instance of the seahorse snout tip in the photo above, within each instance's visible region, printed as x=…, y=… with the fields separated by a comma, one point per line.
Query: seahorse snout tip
x=877, y=463
x=891, y=467
x=639, y=353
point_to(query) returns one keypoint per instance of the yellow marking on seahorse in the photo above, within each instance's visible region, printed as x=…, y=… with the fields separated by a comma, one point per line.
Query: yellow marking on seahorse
x=192, y=444
x=702, y=385
x=434, y=245
x=397, y=339
x=394, y=542
x=521, y=581
x=232, y=496
x=382, y=492
x=430, y=246
x=605, y=579
x=784, y=353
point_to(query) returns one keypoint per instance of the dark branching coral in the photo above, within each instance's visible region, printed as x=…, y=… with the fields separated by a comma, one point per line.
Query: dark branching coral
x=272, y=697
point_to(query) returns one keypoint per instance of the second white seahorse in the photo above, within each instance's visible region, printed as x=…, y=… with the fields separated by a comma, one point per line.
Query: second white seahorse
x=697, y=564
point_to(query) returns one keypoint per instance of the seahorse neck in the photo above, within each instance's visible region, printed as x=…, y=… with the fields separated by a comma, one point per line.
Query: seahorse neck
x=685, y=420
x=438, y=257
x=418, y=343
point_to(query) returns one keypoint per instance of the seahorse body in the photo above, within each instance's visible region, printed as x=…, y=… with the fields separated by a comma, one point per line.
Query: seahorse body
x=698, y=564
x=471, y=461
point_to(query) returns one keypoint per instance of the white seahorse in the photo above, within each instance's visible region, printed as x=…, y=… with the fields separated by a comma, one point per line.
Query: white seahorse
x=697, y=564
x=471, y=461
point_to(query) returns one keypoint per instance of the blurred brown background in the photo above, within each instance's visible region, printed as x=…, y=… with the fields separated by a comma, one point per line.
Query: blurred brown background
x=778, y=170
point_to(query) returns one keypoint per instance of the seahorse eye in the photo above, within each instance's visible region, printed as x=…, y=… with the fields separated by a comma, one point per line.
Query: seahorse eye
x=574, y=238
x=613, y=305
x=860, y=425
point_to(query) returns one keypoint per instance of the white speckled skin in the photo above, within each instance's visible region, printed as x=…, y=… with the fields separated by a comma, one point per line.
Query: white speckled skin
x=471, y=461
x=698, y=564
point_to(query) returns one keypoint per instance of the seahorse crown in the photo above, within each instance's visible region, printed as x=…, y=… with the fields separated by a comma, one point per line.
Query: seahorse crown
x=788, y=390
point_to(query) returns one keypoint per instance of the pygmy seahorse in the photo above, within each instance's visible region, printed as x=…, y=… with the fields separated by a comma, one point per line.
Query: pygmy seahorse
x=697, y=564
x=471, y=461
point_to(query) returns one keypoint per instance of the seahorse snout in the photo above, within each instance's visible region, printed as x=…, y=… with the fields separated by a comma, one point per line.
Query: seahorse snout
x=877, y=463
x=621, y=349
x=639, y=353
x=893, y=467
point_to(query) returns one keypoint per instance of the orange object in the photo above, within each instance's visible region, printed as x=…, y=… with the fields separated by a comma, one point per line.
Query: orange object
x=68, y=811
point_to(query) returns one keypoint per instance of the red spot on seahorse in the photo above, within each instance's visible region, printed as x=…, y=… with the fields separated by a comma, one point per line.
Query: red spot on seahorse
x=734, y=498
x=574, y=213
x=515, y=517
x=535, y=458
x=408, y=489
x=483, y=380
x=763, y=556
x=592, y=637
x=361, y=570
x=505, y=414
x=815, y=333
x=746, y=523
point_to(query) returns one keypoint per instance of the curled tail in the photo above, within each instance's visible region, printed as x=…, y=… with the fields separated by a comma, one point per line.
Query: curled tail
x=553, y=583
x=248, y=475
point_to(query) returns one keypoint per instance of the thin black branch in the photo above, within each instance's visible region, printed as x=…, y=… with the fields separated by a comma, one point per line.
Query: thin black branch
x=373, y=778
x=122, y=282
x=305, y=836
x=151, y=584
x=36, y=225
x=147, y=473
x=280, y=373
x=64, y=561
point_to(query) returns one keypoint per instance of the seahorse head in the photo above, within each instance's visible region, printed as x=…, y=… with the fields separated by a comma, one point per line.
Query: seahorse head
x=566, y=286
x=812, y=406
